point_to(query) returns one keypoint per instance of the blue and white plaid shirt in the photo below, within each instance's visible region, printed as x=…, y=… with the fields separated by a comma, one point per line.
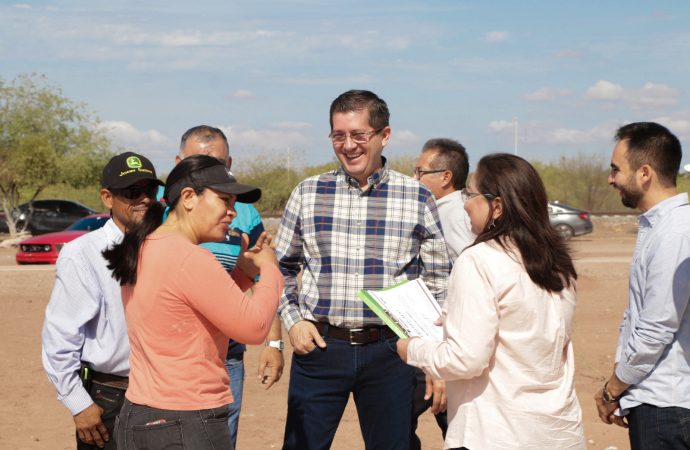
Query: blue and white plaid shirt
x=346, y=239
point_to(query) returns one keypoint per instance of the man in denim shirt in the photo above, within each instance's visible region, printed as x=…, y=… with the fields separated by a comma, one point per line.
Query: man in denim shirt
x=649, y=390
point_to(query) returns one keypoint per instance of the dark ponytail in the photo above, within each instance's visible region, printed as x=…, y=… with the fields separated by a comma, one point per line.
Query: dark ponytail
x=123, y=258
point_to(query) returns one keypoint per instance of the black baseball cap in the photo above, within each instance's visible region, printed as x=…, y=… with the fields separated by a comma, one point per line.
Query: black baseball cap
x=217, y=178
x=126, y=169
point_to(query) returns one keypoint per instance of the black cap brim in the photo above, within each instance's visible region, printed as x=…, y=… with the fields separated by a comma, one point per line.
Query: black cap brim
x=244, y=192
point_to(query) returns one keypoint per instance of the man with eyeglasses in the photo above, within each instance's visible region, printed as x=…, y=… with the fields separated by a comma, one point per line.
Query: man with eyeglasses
x=85, y=343
x=361, y=226
x=443, y=167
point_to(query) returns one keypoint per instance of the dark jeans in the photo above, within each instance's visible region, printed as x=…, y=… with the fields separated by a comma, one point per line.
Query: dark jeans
x=419, y=406
x=140, y=427
x=320, y=386
x=652, y=427
x=111, y=400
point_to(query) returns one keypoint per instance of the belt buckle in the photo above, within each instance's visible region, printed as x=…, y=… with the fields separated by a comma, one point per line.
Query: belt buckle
x=355, y=330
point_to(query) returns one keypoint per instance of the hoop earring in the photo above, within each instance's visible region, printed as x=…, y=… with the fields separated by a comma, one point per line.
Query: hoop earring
x=492, y=225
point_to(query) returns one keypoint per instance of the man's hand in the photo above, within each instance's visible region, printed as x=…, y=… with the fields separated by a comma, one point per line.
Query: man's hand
x=90, y=428
x=606, y=411
x=271, y=359
x=435, y=390
x=304, y=337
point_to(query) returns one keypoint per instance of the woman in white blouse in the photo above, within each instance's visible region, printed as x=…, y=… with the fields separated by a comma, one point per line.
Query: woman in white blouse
x=507, y=357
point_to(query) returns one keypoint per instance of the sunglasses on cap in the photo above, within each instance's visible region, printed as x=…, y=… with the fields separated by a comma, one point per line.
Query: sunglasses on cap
x=135, y=191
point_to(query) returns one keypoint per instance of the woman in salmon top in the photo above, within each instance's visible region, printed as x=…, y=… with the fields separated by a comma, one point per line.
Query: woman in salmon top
x=507, y=356
x=181, y=307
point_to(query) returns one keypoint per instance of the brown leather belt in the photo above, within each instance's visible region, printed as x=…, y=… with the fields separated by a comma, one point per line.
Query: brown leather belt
x=110, y=380
x=356, y=336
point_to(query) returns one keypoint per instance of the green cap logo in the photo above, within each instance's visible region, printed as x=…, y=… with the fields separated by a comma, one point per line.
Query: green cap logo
x=133, y=162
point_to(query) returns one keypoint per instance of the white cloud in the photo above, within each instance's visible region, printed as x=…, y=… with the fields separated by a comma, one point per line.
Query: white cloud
x=547, y=94
x=678, y=123
x=404, y=137
x=539, y=133
x=501, y=126
x=244, y=139
x=287, y=125
x=605, y=90
x=243, y=94
x=21, y=6
x=497, y=36
x=153, y=144
x=650, y=95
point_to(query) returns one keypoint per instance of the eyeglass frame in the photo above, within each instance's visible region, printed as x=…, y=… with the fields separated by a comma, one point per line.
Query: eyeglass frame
x=420, y=173
x=135, y=191
x=368, y=134
x=469, y=195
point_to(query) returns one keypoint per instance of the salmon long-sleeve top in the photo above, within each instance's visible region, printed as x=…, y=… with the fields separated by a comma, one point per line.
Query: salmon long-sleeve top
x=180, y=313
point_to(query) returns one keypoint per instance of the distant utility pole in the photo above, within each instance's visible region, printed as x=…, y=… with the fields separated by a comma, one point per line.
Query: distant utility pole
x=515, y=136
x=288, y=164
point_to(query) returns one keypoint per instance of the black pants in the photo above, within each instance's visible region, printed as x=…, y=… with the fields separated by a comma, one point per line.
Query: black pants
x=655, y=428
x=144, y=427
x=111, y=400
x=419, y=405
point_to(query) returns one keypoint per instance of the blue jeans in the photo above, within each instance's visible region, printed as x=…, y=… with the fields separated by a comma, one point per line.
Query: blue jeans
x=652, y=427
x=141, y=427
x=235, y=368
x=320, y=386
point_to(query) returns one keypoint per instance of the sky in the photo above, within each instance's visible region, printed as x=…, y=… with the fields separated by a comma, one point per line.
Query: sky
x=565, y=75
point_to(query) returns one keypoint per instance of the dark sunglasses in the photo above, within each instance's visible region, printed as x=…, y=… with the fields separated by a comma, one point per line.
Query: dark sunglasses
x=135, y=191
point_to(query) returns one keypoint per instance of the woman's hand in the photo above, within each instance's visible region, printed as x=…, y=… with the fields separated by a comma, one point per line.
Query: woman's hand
x=401, y=346
x=251, y=260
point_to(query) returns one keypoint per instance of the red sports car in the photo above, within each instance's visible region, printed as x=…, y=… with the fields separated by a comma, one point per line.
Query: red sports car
x=45, y=248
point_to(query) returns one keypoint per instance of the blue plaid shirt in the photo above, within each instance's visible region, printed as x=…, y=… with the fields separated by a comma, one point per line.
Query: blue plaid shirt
x=345, y=239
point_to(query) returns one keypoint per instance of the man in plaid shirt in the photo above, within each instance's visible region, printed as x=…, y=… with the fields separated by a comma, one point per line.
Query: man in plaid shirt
x=362, y=226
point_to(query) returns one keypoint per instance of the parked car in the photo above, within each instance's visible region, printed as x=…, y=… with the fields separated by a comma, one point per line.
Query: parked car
x=569, y=221
x=46, y=247
x=49, y=215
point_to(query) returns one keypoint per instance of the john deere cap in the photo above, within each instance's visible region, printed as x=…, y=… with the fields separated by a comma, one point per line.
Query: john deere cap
x=126, y=169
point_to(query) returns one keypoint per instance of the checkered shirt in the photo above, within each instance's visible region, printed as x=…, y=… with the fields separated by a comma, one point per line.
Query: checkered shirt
x=345, y=239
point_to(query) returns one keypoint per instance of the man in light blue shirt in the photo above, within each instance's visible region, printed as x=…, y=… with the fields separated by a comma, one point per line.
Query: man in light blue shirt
x=649, y=391
x=85, y=343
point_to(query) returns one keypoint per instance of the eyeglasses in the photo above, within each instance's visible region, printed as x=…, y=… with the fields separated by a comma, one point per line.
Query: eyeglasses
x=359, y=137
x=467, y=195
x=419, y=173
x=135, y=191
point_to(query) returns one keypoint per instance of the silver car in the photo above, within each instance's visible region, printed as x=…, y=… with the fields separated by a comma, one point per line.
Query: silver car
x=569, y=221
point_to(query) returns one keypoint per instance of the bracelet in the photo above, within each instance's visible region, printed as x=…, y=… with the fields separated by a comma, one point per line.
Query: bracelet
x=606, y=395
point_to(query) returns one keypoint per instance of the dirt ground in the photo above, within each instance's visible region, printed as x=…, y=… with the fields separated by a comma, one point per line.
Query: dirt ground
x=32, y=418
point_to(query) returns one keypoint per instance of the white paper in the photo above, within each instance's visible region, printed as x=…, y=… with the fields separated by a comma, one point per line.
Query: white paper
x=412, y=307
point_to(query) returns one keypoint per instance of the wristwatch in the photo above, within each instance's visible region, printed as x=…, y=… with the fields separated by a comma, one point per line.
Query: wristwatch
x=278, y=345
x=608, y=398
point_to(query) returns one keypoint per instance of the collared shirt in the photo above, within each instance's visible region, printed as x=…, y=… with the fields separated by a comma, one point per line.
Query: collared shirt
x=346, y=239
x=507, y=357
x=457, y=229
x=84, y=319
x=652, y=351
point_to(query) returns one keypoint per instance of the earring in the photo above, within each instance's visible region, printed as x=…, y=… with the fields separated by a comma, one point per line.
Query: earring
x=492, y=225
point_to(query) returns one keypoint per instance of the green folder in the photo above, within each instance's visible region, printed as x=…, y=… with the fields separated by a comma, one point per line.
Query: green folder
x=371, y=302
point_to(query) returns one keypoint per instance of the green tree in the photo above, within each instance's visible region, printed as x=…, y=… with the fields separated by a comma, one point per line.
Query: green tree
x=45, y=139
